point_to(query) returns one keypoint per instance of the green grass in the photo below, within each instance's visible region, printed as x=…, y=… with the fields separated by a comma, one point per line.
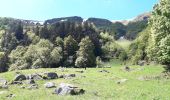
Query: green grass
x=98, y=86
x=124, y=43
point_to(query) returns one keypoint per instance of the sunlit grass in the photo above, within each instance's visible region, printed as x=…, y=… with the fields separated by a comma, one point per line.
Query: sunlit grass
x=98, y=86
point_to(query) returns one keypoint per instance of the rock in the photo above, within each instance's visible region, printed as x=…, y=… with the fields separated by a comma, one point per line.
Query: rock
x=33, y=86
x=61, y=76
x=121, y=81
x=50, y=75
x=35, y=76
x=68, y=76
x=49, y=85
x=10, y=96
x=30, y=81
x=16, y=82
x=104, y=71
x=68, y=89
x=4, y=86
x=141, y=63
x=80, y=71
x=19, y=77
x=126, y=68
x=3, y=81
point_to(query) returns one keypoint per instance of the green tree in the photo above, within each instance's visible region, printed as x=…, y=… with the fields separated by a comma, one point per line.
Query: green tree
x=3, y=62
x=85, y=54
x=160, y=33
x=17, y=61
x=70, y=48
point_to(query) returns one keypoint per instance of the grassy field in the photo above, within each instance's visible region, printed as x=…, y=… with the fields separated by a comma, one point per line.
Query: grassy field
x=124, y=43
x=98, y=85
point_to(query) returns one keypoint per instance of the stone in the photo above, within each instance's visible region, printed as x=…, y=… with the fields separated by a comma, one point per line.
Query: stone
x=33, y=86
x=50, y=75
x=104, y=71
x=68, y=89
x=49, y=85
x=10, y=96
x=16, y=82
x=68, y=76
x=3, y=81
x=61, y=76
x=121, y=81
x=126, y=68
x=35, y=76
x=19, y=77
x=30, y=81
x=5, y=86
x=141, y=63
x=80, y=71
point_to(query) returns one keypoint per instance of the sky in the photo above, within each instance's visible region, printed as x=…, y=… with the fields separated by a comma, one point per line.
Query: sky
x=46, y=9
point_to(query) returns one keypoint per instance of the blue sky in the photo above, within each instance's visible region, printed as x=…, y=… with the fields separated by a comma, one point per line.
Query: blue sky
x=47, y=9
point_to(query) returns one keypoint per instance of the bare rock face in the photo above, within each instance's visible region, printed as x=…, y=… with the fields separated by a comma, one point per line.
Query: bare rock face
x=68, y=89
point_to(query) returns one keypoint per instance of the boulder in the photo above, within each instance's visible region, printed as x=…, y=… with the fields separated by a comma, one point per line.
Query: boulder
x=5, y=86
x=104, y=71
x=68, y=89
x=126, y=68
x=141, y=63
x=61, y=76
x=49, y=85
x=33, y=86
x=19, y=77
x=3, y=81
x=30, y=81
x=50, y=75
x=35, y=76
x=68, y=76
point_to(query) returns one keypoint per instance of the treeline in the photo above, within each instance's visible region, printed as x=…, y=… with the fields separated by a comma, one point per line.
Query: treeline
x=153, y=44
x=67, y=44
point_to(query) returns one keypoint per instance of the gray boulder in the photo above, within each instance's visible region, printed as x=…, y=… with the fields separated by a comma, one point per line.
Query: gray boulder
x=19, y=77
x=50, y=75
x=3, y=81
x=68, y=76
x=35, y=76
x=33, y=86
x=68, y=89
x=49, y=85
x=30, y=81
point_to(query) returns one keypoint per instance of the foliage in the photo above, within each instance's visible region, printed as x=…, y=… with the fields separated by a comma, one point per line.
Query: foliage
x=137, y=49
x=85, y=54
x=160, y=33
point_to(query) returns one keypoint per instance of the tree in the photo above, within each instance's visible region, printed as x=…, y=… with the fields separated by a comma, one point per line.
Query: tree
x=85, y=54
x=70, y=48
x=159, y=47
x=8, y=41
x=19, y=31
x=17, y=61
x=3, y=62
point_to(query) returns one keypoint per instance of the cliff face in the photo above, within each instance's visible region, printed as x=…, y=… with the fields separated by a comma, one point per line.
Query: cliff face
x=70, y=19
